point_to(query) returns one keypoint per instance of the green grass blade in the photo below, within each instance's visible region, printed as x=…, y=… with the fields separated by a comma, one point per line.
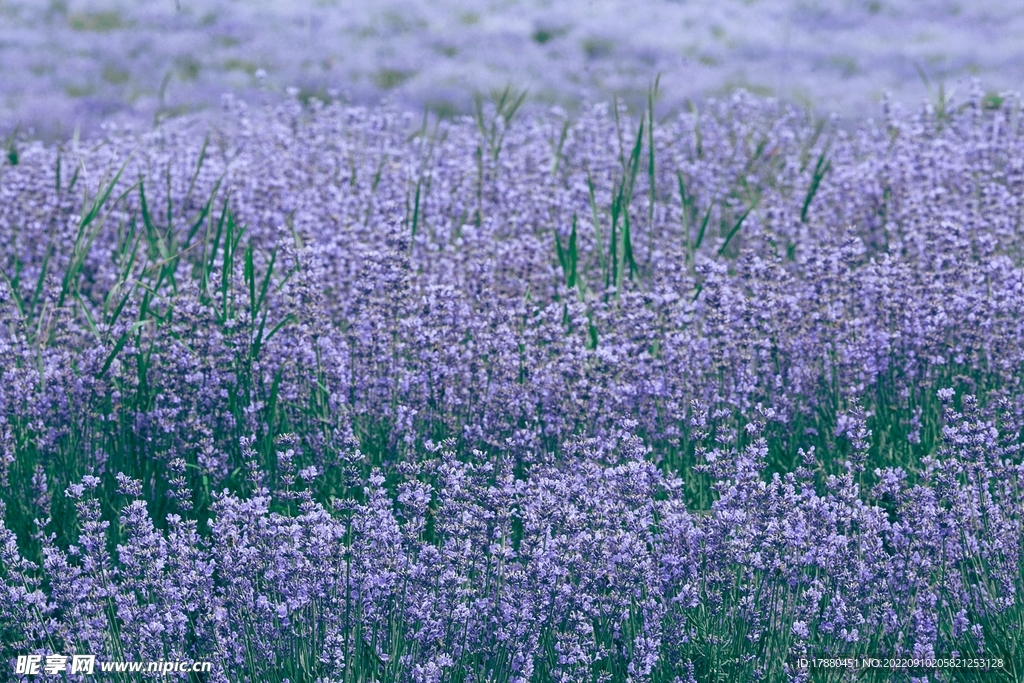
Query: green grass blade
x=83, y=242
x=573, y=256
x=199, y=167
x=287, y=319
x=88, y=315
x=203, y=213
x=12, y=146
x=39, y=282
x=805, y=152
x=100, y=200
x=266, y=280
x=122, y=340
x=559, y=147
x=612, y=276
x=686, y=203
x=117, y=311
x=698, y=136
x=652, y=95
x=627, y=247
x=618, y=132
x=13, y=286
x=227, y=265
x=74, y=178
x=416, y=210
x=258, y=336
x=156, y=241
x=634, y=162
x=820, y=169
x=561, y=254
x=703, y=226
x=170, y=220
x=248, y=271
x=597, y=223
x=208, y=262
x=567, y=258
x=735, y=229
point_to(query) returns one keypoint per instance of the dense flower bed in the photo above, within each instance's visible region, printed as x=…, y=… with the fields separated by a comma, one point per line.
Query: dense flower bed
x=329, y=393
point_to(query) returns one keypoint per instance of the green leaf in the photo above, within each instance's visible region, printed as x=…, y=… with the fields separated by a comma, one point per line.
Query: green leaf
x=561, y=253
x=208, y=263
x=703, y=226
x=199, y=167
x=820, y=169
x=573, y=256
x=416, y=210
x=735, y=229
x=597, y=224
x=120, y=345
x=567, y=258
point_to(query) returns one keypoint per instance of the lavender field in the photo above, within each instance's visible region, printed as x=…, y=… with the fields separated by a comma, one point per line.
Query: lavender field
x=331, y=393
x=695, y=389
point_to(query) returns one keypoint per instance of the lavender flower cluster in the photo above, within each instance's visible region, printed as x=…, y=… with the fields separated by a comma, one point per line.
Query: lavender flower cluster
x=331, y=394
